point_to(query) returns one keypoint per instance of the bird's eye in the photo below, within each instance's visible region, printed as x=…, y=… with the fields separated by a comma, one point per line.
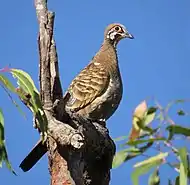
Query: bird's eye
x=117, y=28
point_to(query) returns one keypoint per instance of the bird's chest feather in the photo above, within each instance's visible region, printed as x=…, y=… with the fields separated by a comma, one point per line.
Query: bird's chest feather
x=109, y=101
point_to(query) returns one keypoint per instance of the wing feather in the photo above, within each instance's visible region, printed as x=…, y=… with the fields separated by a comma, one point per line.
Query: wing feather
x=91, y=83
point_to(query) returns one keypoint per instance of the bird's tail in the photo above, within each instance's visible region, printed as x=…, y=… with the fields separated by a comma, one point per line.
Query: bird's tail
x=34, y=156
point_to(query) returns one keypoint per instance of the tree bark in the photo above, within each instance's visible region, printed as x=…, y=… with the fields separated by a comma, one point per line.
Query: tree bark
x=80, y=152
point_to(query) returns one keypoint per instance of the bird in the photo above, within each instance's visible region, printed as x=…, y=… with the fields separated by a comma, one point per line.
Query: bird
x=96, y=92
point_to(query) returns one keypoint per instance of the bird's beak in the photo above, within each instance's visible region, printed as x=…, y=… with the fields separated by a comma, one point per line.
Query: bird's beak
x=128, y=35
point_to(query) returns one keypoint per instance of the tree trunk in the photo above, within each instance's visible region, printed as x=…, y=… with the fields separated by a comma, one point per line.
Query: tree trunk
x=80, y=151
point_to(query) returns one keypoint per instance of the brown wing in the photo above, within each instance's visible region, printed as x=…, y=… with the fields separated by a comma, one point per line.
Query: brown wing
x=91, y=83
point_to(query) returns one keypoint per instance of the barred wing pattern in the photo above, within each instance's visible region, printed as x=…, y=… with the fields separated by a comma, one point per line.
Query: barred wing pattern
x=91, y=83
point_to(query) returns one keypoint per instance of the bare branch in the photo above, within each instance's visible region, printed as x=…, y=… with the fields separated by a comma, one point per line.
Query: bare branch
x=63, y=134
x=50, y=89
x=44, y=43
x=79, y=151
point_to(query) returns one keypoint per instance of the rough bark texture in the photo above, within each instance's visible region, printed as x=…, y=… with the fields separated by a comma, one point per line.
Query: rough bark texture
x=80, y=151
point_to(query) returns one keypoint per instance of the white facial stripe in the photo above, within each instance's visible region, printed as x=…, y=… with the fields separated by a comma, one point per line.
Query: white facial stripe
x=111, y=35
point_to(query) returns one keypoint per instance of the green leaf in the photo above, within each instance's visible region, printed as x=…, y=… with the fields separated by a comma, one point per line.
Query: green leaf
x=138, y=120
x=4, y=80
x=150, y=115
x=143, y=129
x=25, y=79
x=183, y=157
x=121, y=138
x=129, y=153
x=125, y=155
x=183, y=166
x=7, y=85
x=42, y=120
x=137, y=142
x=154, y=178
x=144, y=166
x=119, y=158
x=177, y=181
x=188, y=167
x=181, y=113
x=143, y=170
x=26, y=84
x=3, y=152
x=2, y=137
x=176, y=129
x=147, y=146
x=180, y=101
x=4, y=157
x=156, y=158
x=27, y=87
x=160, y=117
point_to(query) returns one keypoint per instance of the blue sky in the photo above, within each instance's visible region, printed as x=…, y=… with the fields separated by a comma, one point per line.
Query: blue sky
x=156, y=63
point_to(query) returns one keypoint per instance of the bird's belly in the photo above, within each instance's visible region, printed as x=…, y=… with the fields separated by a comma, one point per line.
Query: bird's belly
x=103, y=107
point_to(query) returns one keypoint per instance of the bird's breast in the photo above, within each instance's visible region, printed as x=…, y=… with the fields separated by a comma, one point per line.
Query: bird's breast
x=104, y=106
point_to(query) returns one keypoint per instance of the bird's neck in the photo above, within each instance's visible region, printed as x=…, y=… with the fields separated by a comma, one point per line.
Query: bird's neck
x=109, y=44
x=107, y=53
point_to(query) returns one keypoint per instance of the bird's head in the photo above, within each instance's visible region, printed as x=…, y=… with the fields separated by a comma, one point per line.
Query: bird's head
x=115, y=32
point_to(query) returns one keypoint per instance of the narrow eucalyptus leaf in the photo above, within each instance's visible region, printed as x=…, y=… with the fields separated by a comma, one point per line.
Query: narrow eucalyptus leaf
x=154, y=178
x=156, y=158
x=5, y=81
x=177, y=181
x=183, y=166
x=3, y=152
x=177, y=129
x=142, y=141
x=119, y=158
x=181, y=113
x=141, y=170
